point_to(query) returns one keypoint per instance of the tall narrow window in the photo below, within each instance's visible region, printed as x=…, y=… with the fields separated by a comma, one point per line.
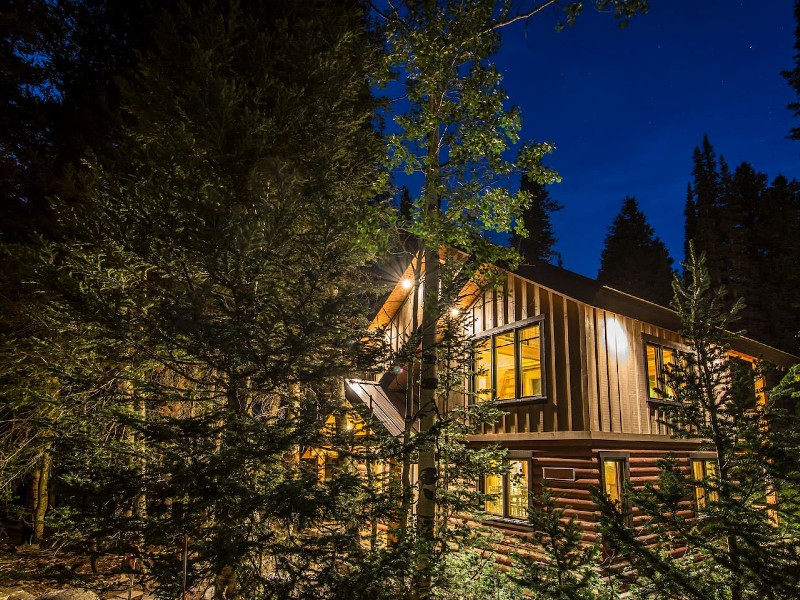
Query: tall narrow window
x=613, y=476
x=702, y=471
x=518, y=490
x=494, y=485
x=483, y=369
x=660, y=359
x=505, y=366
x=530, y=365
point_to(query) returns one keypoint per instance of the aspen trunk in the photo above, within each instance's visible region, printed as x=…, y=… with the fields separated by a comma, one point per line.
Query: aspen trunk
x=411, y=398
x=41, y=496
x=426, y=503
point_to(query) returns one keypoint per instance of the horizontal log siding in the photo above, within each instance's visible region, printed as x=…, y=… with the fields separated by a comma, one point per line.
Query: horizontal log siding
x=575, y=497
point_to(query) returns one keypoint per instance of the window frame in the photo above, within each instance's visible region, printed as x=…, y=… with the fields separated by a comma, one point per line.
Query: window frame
x=676, y=347
x=704, y=458
x=624, y=475
x=505, y=501
x=514, y=327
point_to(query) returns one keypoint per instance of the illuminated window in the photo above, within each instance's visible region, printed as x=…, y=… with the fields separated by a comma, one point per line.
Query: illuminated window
x=760, y=383
x=509, y=492
x=505, y=366
x=494, y=485
x=530, y=363
x=483, y=370
x=510, y=363
x=704, y=472
x=660, y=359
x=614, y=471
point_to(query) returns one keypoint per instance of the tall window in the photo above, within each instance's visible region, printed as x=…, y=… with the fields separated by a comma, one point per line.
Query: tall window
x=510, y=363
x=509, y=491
x=660, y=359
x=614, y=472
x=702, y=471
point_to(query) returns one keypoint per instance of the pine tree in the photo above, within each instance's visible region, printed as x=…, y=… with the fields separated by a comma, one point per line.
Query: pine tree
x=793, y=75
x=773, y=308
x=701, y=212
x=566, y=568
x=539, y=241
x=210, y=283
x=741, y=545
x=726, y=218
x=634, y=260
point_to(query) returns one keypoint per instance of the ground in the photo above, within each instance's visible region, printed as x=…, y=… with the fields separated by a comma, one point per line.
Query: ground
x=41, y=570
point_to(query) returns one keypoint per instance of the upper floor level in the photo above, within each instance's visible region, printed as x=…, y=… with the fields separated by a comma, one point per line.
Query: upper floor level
x=563, y=353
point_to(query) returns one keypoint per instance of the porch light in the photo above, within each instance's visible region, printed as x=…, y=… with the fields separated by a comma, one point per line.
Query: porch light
x=406, y=284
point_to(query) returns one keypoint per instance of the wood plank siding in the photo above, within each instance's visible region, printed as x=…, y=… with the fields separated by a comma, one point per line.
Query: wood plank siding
x=593, y=360
x=594, y=400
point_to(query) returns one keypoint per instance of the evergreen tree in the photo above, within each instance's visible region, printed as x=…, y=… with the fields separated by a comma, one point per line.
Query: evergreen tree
x=701, y=211
x=773, y=306
x=741, y=544
x=634, y=260
x=566, y=569
x=539, y=240
x=793, y=75
x=209, y=283
x=737, y=220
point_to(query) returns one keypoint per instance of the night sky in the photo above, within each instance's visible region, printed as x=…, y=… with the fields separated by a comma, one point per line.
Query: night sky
x=625, y=108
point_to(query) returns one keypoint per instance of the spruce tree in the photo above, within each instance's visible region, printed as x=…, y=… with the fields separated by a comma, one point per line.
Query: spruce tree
x=701, y=211
x=793, y=75
x=539, y=240
x=739, y=543
x=211, y=285
x=737, y=221
x=634, y=260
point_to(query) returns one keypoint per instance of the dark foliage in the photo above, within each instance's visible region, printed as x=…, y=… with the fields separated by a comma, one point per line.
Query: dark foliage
x=634, y=260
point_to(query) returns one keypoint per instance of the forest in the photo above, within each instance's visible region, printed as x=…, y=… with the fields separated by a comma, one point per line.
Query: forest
x=202, y=201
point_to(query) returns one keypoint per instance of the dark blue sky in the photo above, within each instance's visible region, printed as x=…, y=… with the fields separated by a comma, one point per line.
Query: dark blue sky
x=625, y=108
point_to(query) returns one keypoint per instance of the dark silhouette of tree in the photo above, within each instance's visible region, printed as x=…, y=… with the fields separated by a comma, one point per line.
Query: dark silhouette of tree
x=793, y=75
x=634, y=260
x=701, y=210
x=540, y=240
x=208, y=281
x=747, y=231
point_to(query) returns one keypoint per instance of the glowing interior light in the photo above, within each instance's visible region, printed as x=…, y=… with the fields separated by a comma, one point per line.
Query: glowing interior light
x=454, y=312
x=406, y=283
x=349, y=426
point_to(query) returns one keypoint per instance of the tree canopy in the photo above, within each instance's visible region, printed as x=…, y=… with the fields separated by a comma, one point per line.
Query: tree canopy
x=634, y=259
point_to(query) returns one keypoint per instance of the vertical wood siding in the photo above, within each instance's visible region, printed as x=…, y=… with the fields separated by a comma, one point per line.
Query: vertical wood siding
x=594, y=367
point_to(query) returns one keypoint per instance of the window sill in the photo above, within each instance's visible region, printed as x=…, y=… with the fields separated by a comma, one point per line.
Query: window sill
x=507, y=523
x=520, y=401
x=662, y=402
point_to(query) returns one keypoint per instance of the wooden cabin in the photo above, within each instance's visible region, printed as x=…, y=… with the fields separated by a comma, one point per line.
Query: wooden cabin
x=575, y=366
